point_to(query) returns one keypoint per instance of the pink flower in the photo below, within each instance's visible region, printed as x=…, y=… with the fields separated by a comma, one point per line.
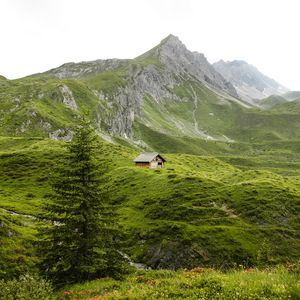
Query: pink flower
x=67, y=293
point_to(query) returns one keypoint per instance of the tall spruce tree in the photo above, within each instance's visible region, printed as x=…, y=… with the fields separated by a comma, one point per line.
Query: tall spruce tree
x=80, y=242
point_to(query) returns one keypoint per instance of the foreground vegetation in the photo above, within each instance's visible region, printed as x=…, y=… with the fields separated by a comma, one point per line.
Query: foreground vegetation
x=195, y=284
x=199, y=283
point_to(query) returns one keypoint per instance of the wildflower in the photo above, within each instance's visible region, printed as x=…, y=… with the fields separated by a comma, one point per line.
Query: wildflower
x=67, y=293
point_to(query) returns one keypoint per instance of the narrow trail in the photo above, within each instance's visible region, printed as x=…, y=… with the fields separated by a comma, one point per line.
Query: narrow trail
x=13, y=213
x=195, y=107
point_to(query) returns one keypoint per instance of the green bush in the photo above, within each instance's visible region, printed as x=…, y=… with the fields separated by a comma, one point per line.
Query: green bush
x=26, y=287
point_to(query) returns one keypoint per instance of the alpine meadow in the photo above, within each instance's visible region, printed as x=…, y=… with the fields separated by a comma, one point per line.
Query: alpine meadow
x=158, y=177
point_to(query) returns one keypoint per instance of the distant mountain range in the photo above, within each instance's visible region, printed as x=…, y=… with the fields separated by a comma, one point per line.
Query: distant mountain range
x=168, y=93
x=250, y=84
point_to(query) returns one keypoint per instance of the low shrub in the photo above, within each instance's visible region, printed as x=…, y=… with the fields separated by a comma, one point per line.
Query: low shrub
x=26, y=287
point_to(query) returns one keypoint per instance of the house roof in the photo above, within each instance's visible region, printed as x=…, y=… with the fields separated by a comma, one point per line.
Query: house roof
x=147, y=157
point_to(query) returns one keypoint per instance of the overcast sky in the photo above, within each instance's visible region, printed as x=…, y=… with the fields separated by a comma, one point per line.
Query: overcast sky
x=37, y=35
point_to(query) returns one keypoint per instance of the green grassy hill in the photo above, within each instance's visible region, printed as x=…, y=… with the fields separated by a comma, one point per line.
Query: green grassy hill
x=292, y=95
x=271, y=101
x=199, y=210
x=292, y=107
x=34, y=107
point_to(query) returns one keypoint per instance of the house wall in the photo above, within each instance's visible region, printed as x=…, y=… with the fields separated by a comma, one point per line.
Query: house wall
x=142, y=165
x=160, y=162
x=153, y=164
x=157, y=163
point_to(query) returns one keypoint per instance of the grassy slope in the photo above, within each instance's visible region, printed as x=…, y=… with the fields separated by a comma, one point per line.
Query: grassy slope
x=292, y=95
x=17, y=234
x=271, y=101
x=198, y=210
x=25, y=169
x=33, y=106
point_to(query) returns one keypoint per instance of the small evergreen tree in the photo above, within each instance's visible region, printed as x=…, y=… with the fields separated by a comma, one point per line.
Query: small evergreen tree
x=80, y=243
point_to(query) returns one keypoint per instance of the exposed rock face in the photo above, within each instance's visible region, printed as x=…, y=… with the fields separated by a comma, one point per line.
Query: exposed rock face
x=127, y=101
x=141, y=81
x=24, y=126
x=68, y=98
x=61, y=135
x=249, y=82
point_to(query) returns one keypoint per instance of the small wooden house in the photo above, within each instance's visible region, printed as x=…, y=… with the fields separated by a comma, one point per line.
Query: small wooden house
x=151, y=160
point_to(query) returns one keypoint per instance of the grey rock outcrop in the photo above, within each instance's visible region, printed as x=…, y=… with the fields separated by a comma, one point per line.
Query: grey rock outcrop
x=68, y=98
x=142, y=81
x=61, y=135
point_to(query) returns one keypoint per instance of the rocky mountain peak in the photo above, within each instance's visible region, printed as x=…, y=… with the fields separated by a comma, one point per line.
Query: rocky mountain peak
x=172, y=41
x=177, y=59
x=169, y=46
